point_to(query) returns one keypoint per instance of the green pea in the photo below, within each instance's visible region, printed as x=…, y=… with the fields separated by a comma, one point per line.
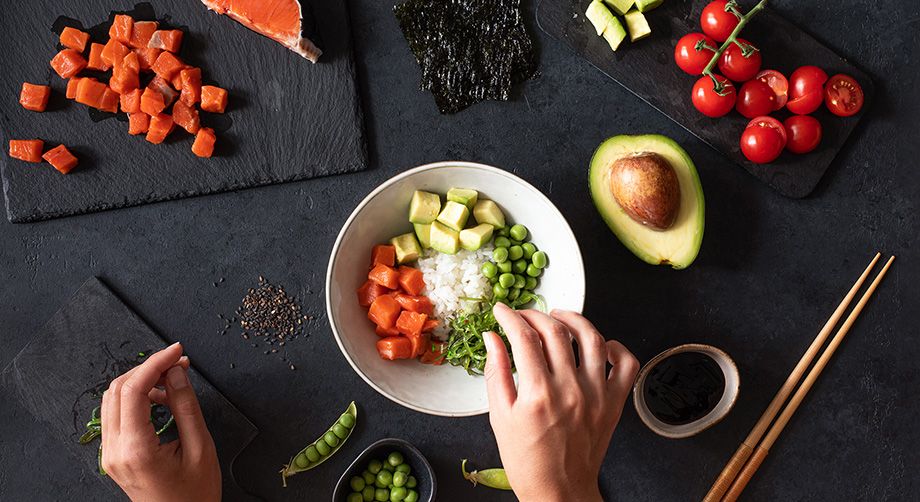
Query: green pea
x=395, y=458
x=368, y=493
x=384, y=478
x=518, y=232
x=368, y=477
x=412, y=496
x=514, y=293
x=499, y=291
x=531, y=283
x=502, y=232
x=499, y=255
x=515, y=253
x=400, y=478
x=533, y=271
x=506, y=280
x=340, y=431
x=312, y=454
x=331, y=439
x=301, y=460
x=529, y=249
x=516, y=243
x=502, y=242
x=374, y=466
x=519, y=281
x=357, y=483
x=412, y=482
x=520, y=266
x=382, y=494
x=489, y=269
x=388, y=467
x=398, y=494
x=322, y=448
x=504, y=267
x=355, y=497
x=404, y=468
x=494, y=280
x=540, y=259
x=347, y=420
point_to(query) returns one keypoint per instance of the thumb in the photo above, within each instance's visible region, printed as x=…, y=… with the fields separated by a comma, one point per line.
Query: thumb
x=499, y=381
x=193, y=432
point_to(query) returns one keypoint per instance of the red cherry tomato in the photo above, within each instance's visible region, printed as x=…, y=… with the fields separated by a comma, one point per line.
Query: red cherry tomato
x=735, y=66
x=755, y=98
x=688, y=58
x=763, y=140
x=804, y=133
x=778, y=83
x=843, y=95
x=806, y=89
x=716, y=22
x=711, y=103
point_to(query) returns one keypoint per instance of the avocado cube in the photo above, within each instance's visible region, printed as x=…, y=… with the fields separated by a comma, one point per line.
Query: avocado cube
x=487, y=211
x=463, y=196
x=444, y=239
x=599, y=15
x=424, y=207
x=474, y=238
x=620, y=6
x=454, y=215
x=647, y=5
x=637, y=25
x=407, y=248
x=423, y=232
x=614, y=34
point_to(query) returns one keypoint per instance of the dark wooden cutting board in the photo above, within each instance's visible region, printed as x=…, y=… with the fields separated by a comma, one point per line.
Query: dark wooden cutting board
x=287, y=119
x=647, y=69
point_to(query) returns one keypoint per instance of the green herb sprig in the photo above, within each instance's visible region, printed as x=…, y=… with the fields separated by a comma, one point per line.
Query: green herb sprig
x=94, y=430
x=746, y=49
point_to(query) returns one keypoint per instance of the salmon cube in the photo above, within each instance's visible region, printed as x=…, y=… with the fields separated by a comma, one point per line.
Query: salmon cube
x=167, y=65
x=72, y=87
x=113, y=52
x=125, y=76
x=68, y=63
x=160, y=127
x=131, y=101
x=121, y=28
x=95, y=58
x=109, y=101
x=147, y=57
x=75, y=39
x=29, y=150
x=186, y=117
x=191, y=85
x=162, y=86
x=213, y=99
x=90, y=92
x=34, y=97
x=61, y=158
x=204, y=142
x=152, y=102
x=141, y=33
x=176, y=80
x=168, y=40
x=138, y=123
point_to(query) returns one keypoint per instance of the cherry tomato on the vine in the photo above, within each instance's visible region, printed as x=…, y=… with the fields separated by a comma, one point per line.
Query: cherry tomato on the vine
x=738, y=68
x=755, y=98
x=843, y=95
x=712, y=103
x=716, y=22
x=688, y=58
x=777, y=81
x=806, y=89
x=763, y=140
x=804, y=133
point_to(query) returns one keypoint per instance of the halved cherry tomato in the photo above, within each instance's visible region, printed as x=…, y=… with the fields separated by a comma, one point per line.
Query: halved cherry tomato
x=717, y=22
x=804, y=133
x=763, y=140
x=806, y=89
x=777, y=81
x=755, y=98
x=738, y=67
x=712, y=103
x=843, y=95
x=688, y=58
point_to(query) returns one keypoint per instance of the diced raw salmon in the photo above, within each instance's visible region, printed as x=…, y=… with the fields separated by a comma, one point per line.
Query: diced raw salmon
x=204, y=142
x=131, y=101
x=68, y=63
x=34, y=97
x=160, y=127
x=152, y=102
x=279, y=20
x=147, y=57
x=29, y=150
x=109, y=101
x=72, y=87
x=113, y=52
x=75, y=39
x=213, y=99
x=167, y=65
x=61, y=158
x=191, y=86
x=141, y=33
x=138, y=123
x=121, y=28
x=167, y=40
x=126, y=74
x=165, y=88
x=90, y=92
x=186, y=117
x=95, y=58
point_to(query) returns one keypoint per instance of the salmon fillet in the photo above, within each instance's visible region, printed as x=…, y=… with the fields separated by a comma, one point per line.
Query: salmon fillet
x=279, y=20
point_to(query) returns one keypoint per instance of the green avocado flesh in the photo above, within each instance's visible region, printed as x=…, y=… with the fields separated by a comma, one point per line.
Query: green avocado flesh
x=680, y=243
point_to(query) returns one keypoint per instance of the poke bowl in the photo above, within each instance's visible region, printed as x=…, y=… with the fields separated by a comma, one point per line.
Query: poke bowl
x=389, y=278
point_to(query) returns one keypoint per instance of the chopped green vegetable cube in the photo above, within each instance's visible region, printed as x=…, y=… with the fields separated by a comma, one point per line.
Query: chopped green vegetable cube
x=444, y=239
x=424, y=207
x=620, y=6
x=454, y=215
x=474, y=238
x=637, y=25
x=487, y=211
x=463, y=196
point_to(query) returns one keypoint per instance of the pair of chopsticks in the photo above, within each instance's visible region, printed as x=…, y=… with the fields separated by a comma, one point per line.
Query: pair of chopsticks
x=744, y=463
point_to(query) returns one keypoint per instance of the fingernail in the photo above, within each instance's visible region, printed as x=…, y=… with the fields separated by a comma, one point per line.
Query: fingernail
x=488, y=341
x=177, y=378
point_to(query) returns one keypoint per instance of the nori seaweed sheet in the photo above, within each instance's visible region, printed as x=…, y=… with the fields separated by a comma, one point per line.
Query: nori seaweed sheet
x=468, y=50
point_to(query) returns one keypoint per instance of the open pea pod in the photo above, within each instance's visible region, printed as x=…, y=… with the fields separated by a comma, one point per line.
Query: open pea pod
x=324, y=447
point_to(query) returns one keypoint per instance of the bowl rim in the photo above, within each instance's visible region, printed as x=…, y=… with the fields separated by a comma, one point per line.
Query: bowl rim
x=374, y=193
x=399, y=444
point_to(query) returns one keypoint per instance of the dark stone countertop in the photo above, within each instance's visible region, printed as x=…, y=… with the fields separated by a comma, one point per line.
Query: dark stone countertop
x=770, y=272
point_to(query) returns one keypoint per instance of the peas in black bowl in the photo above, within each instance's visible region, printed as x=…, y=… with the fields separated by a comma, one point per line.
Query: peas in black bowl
x=388, y=470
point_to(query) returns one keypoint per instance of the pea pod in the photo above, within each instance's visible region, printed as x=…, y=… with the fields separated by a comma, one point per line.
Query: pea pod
x=318, y=451
x=493, y=478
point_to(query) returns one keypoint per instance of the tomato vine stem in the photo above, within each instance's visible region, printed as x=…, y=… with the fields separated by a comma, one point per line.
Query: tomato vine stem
x=742, y=21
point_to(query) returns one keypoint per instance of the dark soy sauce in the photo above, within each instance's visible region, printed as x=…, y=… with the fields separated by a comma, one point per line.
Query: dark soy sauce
x=684, y=388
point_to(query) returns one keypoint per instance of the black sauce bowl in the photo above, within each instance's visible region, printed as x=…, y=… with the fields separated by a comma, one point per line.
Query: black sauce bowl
x=427, y=486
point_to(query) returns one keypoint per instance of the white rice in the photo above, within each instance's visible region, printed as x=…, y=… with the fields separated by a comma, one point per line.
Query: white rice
x=448, y=278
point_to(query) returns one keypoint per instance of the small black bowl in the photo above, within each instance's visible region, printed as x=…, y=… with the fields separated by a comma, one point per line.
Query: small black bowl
x=427, y=484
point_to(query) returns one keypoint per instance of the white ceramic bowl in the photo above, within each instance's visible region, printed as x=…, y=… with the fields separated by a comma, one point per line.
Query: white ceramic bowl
x=438, y=390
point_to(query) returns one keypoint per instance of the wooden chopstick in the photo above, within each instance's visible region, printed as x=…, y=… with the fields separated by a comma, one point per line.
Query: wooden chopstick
x=744, y=451
x=764, y=447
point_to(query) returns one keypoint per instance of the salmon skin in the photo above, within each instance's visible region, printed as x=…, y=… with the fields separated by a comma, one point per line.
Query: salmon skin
x=280, y=20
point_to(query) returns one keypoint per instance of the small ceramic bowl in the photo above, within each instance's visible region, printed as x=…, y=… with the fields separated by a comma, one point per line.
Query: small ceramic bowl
x=729, y=395
x=427, y=487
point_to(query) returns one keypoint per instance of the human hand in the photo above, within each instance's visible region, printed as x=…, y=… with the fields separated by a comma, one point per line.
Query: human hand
x=182, y=470
x=554, y=429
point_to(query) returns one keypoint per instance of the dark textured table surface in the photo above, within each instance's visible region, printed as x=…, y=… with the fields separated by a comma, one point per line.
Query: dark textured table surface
x=770, y=272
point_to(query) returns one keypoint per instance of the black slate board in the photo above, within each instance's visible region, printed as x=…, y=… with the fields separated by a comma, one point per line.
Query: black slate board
x=53, y=375
x=647, y=69
x=287, y=119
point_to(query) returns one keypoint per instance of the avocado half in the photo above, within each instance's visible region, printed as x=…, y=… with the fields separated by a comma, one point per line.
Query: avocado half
x=680, y=243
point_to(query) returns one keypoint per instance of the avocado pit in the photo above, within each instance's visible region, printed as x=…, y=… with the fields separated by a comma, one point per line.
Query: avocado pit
x=645, y=185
